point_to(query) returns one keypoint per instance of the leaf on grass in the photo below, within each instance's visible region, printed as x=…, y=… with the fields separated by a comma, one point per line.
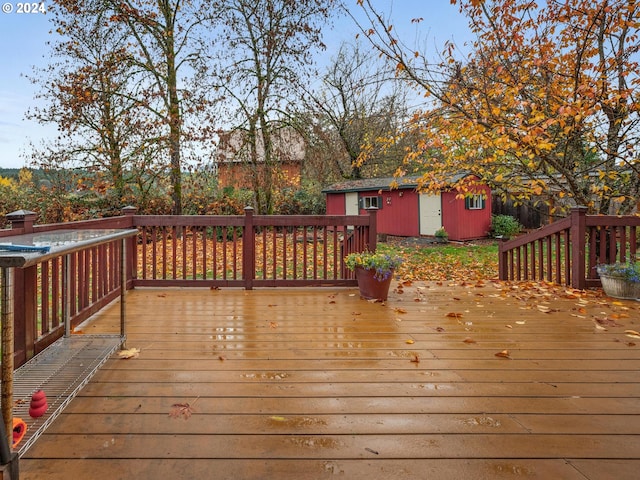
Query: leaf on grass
x=503, y=354
x=130, y=353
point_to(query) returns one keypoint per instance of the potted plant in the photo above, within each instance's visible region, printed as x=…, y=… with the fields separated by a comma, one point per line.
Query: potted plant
x=441, y=235
x=374, y=272
x=620, y=280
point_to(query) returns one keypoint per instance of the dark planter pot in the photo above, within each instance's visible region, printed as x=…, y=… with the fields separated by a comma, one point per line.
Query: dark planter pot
x=370, y=287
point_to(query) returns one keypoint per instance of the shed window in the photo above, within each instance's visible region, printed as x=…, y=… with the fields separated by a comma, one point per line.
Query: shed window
x=474, y=202
x=372, y=202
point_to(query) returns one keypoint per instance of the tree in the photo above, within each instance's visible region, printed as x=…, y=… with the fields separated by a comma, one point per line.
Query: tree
x=90, y=93
x=360, y=102
x=121, y=92
x=268, y=46
x=165, y=41
x=546, y=103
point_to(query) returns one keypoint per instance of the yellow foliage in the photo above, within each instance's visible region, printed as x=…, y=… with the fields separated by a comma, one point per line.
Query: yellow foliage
x=7, y=182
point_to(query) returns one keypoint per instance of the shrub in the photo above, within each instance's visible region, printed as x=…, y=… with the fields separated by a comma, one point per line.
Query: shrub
x=504, y=226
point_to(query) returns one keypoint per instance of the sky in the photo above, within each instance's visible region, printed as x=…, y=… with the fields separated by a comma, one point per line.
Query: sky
x=24, y=37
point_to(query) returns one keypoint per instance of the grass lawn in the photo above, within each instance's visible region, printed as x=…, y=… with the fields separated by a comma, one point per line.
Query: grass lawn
x=441, y=262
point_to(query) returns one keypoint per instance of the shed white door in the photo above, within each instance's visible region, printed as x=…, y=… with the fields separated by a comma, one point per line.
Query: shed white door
x=351, y=203
x=430, y=213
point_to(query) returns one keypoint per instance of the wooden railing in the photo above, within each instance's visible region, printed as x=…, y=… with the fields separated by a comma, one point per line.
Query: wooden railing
x=568, y=251
x=40, y=290
x=249, y=250
x=206, y=251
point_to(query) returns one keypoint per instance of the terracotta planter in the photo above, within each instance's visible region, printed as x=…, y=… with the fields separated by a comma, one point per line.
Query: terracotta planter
x=370, y=287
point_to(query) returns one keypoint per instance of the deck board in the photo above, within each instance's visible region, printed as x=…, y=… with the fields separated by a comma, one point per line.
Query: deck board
x=317, y=383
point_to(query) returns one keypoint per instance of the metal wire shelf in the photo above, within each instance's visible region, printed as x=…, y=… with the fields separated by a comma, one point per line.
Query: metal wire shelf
x=61, y=371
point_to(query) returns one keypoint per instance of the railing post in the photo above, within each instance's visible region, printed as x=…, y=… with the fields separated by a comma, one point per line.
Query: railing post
x=22, y=220
x=578, y=247
x=503, y=262
x=248, y=249
x=25, y=293
x=131, y=245
x=372, y=242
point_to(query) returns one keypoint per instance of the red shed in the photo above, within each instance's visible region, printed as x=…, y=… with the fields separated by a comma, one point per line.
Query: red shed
x=403, y=211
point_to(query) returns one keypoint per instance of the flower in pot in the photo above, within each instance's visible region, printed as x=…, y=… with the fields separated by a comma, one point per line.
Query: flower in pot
x=620, y=280
x=374, y=271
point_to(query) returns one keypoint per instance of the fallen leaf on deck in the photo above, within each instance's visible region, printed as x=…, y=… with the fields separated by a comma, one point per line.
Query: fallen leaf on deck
x=415, y=359
x=409, y=342
x=273, y=324
x=130, y=353
x=469, y=340
x=184, y=410
x=400, y=310
x=608, y=322
x=503, y=354
x=632, y=333
x=454, y=315
x=521, y=322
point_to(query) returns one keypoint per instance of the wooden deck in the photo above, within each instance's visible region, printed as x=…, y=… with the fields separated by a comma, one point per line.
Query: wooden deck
x=317, y=383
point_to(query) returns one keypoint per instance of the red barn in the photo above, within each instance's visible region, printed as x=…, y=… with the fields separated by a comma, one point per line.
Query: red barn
x=403, y=211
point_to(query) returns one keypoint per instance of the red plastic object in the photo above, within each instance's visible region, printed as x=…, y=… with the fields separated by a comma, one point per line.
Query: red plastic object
x=38, y=405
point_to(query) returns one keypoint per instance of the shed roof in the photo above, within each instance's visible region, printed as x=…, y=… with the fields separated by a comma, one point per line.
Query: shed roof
x=382, y=183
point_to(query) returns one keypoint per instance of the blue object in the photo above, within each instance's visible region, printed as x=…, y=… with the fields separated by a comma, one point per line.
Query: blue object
x=24, y=248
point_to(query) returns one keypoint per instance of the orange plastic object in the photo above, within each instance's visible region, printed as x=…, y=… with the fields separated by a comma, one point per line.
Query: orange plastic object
x=19, y=429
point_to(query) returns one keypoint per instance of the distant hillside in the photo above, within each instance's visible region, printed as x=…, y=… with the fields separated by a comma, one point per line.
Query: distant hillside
x=14, y=172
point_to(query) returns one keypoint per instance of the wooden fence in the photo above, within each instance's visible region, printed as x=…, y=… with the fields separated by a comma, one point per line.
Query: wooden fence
x=568, y=251
x=191, y=251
